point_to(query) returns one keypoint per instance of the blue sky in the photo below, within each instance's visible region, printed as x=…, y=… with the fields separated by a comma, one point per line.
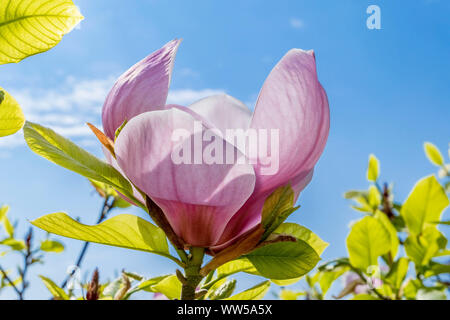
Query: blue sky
x=388, y=92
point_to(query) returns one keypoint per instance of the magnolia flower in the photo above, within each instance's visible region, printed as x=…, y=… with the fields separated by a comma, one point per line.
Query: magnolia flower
x=212, y=205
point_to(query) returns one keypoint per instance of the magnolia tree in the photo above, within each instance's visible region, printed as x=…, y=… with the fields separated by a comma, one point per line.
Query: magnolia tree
x=213, y=177
x=396, y=250
x=216, y=181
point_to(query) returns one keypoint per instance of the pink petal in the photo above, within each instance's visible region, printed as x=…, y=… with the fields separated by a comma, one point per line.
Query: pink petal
x=293, y=102
x=197, y=199
x=140, y=89
x=224, y=112
x=112, y=161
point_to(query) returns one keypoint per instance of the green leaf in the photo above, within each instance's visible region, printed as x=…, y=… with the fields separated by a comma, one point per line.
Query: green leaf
x=326, y=278
x=373, y=169
x=354, y=194
x=424, y=205
x=398, y=273
x=421, y=249
x=284, y=260
x=287, y=294
x=52, y=246
x=57, y=292
x=29, y=27
x=125, y=231
x=235, y=266
x=374, y=197
x=381, y=216
x=287, y=282
x=363, y=203
x=14, y=244
x=61, y=151
x=224, y=291
x=170, y=287
x=437, y=269
x=121, y=203
x=105, y=190
x=277, y=207
x=9, y=228
x=133, y=275
x=119, y=129
x=3, y=212
x=411, y=289
x=368, y=239
x=433, y=154
x=11, y=116
x=147, y=284
x=143, y=285
x=256, y=293
x=304, y=234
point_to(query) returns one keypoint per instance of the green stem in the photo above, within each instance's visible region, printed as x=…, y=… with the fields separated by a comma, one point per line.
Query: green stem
x=192, y=273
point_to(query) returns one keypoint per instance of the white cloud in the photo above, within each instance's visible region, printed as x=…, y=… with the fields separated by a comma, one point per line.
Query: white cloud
x=10, y=142
x=68, y=107
x=296, y=23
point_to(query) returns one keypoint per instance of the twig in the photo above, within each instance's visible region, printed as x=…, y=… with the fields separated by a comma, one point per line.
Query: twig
x=11, y=283
x=27, y=261
x=106, y=208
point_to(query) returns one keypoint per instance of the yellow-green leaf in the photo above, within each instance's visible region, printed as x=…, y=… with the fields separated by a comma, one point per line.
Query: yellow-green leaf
x=57, y=292
x=3, y=211
x=223, y=291
x=287, y=282
x=287, y=294
x=29, y=27
x=235, y=266
x=327, y=277
x=437, y=269
x=9, y=228
x=304, y=234
x=277, y=207
x=373, y=169
x=424, y=205
x=52, y=246
x=170, y=287
x=398, y=273
x=368, y=239
x=126, y=231
x=11, y=116
x=57, y=149
x=421, y=249
x=14, y=244
x=433, y=154
x=256, y=293
x=381, y=216
x=374, y=197
x=284, y=260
